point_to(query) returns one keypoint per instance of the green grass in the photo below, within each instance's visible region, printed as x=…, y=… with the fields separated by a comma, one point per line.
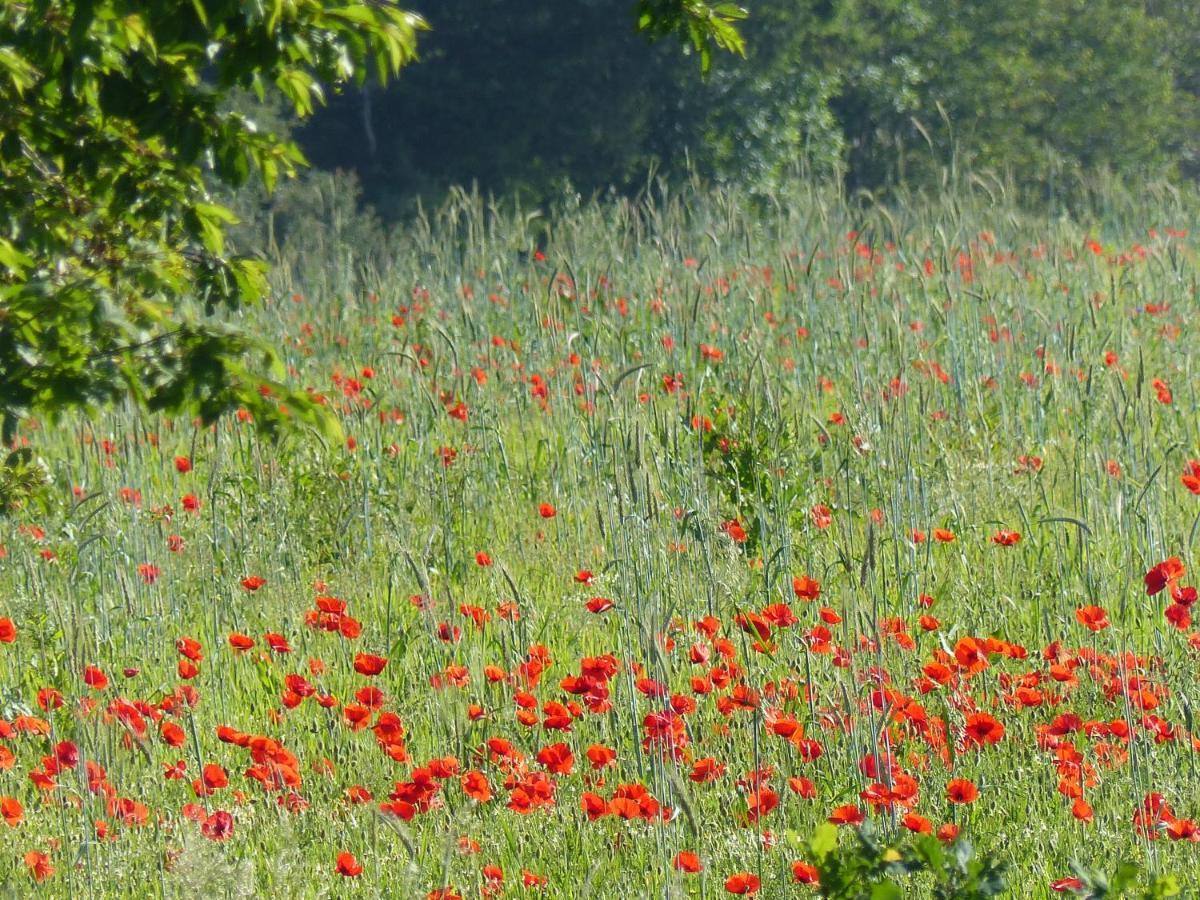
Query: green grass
x=1017, y=310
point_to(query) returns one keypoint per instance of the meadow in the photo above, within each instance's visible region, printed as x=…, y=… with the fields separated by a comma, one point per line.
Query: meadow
x=667, y=542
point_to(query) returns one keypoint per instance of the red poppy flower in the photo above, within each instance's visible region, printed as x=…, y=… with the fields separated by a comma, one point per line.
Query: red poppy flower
x=970, y=655
x=1006, y=538
x=183, y=465
x=277, y=642
x=806, y=588
x=12, y=811
x=734, y=529
x=1179, y=616
x=240, y=642
x=189, y=647
x=172, y=734
x=805, y=873
x=368, y=664
x=557, y=758
x=530, y=880
x=212, y=779
x=743, y=883
x=706, y=770
x=601, y=756
x=8, y=631
x=1092, y=617
x=983, y=729
x=1066, y=884
x=828, y=616
x=185, y=668
x=38, y=865
x=1191, y=477
x=1183, y=830
x=1030, y=465
x=594, y=806
x=962, y=791
x=475, y=785
x=253, y=582
x=1167, y=572
x=759, y=803
x=547, y=510
x=348, y=866
x=686, y=861
x=802, y=786
x=847, y=815
x=218, y=826
x=443, y=767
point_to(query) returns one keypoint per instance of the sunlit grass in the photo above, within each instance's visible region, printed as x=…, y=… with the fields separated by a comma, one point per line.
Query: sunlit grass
x=867, y=374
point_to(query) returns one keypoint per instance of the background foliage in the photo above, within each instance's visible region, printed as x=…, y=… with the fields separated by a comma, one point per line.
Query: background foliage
x=884, y=91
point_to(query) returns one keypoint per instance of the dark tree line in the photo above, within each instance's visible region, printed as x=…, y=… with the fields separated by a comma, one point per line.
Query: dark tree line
x=882, y=91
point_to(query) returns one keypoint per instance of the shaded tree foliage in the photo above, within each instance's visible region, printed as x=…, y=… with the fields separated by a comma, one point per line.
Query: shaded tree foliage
x=912, y=86
x=884, y=91
x=514, y=102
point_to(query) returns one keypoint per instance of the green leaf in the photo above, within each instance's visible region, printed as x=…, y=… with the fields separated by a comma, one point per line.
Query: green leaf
x=357, y=13
x=12, y=258
x=1165, y=886
x=297, y=86
x=211, y=219
x=250, y=276
x=730, y=11
x=824, y=841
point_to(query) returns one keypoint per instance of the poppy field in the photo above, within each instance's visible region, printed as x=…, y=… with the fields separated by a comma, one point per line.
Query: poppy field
x=686, y=547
